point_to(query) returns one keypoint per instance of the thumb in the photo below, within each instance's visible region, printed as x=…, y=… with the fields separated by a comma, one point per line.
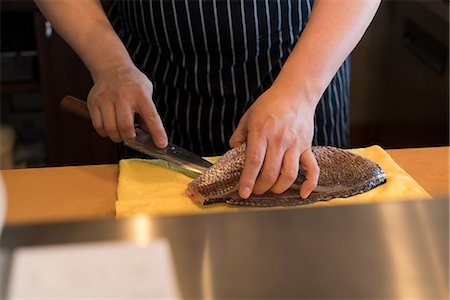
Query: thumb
x=239, y=135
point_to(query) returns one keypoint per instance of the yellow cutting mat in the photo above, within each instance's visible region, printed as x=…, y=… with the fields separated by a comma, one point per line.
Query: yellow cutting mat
x=152, y=188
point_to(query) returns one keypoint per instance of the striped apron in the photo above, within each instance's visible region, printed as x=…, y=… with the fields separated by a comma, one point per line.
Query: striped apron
x=210, y=60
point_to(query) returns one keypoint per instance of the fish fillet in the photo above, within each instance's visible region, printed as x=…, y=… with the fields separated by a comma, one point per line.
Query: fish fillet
x=342, y=174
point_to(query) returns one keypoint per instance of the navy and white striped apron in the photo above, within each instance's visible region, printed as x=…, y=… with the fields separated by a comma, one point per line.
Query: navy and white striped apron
x=210, y=60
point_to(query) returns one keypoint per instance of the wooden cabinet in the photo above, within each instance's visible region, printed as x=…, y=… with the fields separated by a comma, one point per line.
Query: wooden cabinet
x=70, y=140
x=59, y=72
x=399, y=80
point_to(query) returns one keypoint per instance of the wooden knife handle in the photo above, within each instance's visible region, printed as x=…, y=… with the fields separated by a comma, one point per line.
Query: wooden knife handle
x=75, y=106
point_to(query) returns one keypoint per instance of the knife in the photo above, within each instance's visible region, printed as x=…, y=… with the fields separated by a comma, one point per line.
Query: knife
x=143, y=143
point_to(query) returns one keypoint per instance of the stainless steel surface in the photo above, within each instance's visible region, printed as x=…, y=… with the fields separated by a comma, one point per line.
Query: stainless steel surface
x=384, y=251
x=172, y=153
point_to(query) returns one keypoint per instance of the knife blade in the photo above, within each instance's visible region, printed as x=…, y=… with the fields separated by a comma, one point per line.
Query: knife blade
x=143, y=142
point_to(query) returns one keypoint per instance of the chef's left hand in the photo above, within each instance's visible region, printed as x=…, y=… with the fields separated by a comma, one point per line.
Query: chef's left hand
x=278, y=129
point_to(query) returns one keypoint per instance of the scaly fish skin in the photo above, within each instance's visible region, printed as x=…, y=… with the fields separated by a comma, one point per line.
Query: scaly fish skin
x=342, y=174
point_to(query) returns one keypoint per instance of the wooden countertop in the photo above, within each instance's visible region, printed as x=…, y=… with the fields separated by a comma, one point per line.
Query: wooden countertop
x=87, y=192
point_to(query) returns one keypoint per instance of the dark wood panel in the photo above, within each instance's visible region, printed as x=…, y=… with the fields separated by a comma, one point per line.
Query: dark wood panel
x=19, y=87
x=400, y=134
x=17, y=5
x=69, y=140
x=400, y=85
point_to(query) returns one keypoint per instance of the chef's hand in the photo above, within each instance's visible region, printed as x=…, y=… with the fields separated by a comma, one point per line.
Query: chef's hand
x=118, y=93
x=278, y=129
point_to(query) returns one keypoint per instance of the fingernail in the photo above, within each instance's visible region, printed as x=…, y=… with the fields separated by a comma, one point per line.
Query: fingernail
x=162, y=142
x=304, y=195
x=245, y=193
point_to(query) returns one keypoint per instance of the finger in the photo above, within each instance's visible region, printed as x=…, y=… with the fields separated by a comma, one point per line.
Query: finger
x=270, y=170
x=110, y=123
x=125, y=121
x=289, y=171
x=239, y=135
x=97, y=121
x=153, y=122
x=311, y=168
x=142, y=124
x=256, y=151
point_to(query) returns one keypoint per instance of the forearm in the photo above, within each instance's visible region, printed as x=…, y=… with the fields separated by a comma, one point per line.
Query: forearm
x=85, y=27
x=334, y=29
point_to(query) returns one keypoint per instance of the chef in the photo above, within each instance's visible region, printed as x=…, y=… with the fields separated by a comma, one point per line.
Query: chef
x=209, y=75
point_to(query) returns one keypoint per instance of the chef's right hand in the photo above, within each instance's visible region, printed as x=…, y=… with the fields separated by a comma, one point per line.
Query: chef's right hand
x=118, y=93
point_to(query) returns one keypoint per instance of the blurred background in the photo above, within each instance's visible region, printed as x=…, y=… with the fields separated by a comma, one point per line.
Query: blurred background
x=399, y=86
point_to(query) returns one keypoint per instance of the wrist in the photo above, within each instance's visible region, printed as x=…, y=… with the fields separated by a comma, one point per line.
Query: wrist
x=106, y=52
x=110, y=65
x=302, y=92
